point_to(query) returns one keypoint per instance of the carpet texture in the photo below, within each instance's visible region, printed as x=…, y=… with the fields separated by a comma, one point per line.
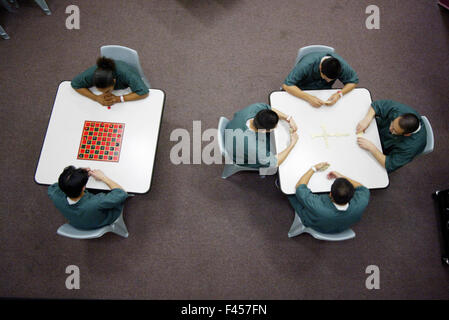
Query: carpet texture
x=195, y=235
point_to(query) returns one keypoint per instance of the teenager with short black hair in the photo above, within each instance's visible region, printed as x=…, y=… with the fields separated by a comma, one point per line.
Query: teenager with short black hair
x=85, y=210
x=247, y=136
x=108, y=75
x=402, y=133
x=333, y=212
x=317, y=71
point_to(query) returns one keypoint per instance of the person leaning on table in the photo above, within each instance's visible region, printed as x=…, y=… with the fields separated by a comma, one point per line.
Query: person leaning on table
x=82, y=209
x=318, y=71
x=108, y=75
x=401, y=130
x=252, y=126
x=333, y=212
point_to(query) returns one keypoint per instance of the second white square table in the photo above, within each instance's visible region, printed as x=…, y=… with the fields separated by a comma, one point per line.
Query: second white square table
x=341, y=152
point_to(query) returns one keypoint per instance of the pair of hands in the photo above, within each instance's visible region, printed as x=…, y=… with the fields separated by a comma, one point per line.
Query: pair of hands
x=107, y=99
x=362, y=142
x=316, y=102
x=331, y=175
x=293, y=129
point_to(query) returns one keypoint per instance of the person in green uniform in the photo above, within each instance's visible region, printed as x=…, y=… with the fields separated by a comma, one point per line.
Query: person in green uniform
x=317, y=71
x=248, y=137
x=82, y=209
x=108, y=75
x=333, y=212
x=401, y=130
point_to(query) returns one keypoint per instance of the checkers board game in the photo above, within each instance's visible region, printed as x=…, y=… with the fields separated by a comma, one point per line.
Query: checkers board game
x=101, y=141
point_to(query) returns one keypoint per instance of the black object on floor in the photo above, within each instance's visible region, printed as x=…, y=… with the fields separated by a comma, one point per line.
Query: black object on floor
x=442, y=198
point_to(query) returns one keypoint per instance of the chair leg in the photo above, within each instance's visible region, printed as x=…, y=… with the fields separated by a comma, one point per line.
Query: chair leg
x=43, y=5
x=119, y=227
x=229, y=170
x=8, y=5
x=3, y=34
x=297, y=227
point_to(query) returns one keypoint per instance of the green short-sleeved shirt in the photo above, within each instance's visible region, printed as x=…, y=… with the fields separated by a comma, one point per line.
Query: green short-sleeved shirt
x=318, y=212
x=306, y=74
x=399, y=150
x=249, y=148
x=124, y=74
x=92, y=210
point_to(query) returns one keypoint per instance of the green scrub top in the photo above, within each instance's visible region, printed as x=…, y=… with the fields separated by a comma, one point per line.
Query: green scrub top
x=92, y=211
x=306, y=74
x=399, y=150
x=318, y=212
x=255, y=146
x=125, y=76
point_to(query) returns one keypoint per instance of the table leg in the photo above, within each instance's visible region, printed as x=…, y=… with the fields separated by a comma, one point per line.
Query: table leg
x=43, y=5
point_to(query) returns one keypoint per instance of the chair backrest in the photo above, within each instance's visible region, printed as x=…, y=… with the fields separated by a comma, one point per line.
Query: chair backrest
x=117, y=227
x=430, y=139
x=222, y=123
x=313, y=48
x=344, y=235
x=127, y=55
x=68, y=231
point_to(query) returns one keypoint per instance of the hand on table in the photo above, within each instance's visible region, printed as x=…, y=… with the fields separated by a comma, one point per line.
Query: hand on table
x=293, y=138
x=362, y=126
x=293, y=126
x=107, y=99
x=101, y=99
x=111, y=99
x=315, y=102
x=365, y=144
x=321, y=166
x=333, y=99
x=334, y=175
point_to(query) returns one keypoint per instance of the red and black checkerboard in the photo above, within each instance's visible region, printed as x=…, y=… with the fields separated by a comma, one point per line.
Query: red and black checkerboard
x=101, y=141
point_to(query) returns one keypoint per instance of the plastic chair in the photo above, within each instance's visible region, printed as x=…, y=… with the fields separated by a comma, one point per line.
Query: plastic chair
x=3, y=33
x=230, y=169
x=12, y=5
x=298, y=228
x=117, y=227
x=127, y=55
x=430, y=139
x=44, y=6
x=309, y=49
x=8, y=5
x=41, y=3
x=313, y=48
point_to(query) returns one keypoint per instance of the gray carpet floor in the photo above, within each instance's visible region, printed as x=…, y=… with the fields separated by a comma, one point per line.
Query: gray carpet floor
x=195, y=235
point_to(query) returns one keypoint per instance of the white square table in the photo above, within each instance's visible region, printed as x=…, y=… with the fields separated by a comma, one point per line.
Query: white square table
x=342, y=152
x=142, y=120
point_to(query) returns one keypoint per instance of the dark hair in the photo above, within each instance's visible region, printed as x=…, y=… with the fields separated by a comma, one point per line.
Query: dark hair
x=104, y=74
x=342, y=191
x=331, y=68
x=409, y=123
x=266, y=119
x=72, y=180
